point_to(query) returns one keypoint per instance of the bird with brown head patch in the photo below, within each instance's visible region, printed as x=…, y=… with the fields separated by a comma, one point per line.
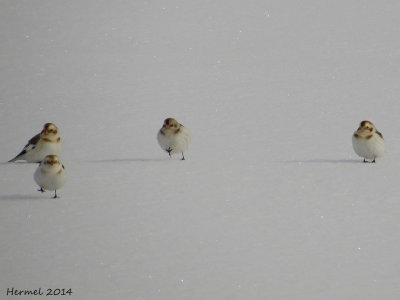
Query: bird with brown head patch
x=173, y=137
x=368, y=142
x=50, y=174
x=48, y=141
x=49, y=129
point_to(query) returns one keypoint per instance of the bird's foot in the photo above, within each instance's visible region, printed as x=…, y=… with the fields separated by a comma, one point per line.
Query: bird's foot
x=169, y=151
x=370, y=162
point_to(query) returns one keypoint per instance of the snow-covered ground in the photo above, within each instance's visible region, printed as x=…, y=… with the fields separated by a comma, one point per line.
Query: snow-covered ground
x=271, y=203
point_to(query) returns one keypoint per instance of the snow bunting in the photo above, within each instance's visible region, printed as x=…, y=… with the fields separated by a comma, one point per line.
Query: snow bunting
x=368, y=142
x=50, y=174
x=174, y=137
x=48, y=141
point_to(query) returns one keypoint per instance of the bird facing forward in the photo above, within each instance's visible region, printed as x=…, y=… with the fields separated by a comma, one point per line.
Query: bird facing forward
x=50, y=174
x=47, y=142
x=368, y=142
x=173, y=137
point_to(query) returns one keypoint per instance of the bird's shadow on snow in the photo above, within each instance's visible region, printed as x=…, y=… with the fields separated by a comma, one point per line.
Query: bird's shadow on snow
x=129, y=160
x=324, y=161
x=16, y=163
x=19, y=197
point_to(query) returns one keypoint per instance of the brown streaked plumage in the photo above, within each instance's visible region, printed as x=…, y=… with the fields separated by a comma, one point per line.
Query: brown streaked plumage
x=171, y=123
x=366, y=127
x=49, y=128
x=33, y=140
x=51, y=141
x=51, y=159
x=178, y=130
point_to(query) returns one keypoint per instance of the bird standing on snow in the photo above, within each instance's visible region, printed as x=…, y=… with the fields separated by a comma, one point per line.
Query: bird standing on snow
x=174, y=137
x=48, y=141
x=50, y=174
x=368, y=142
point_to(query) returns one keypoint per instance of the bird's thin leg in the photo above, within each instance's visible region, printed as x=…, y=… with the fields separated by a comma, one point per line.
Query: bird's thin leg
x=183, y=157
x=55, y=194
x=373, y=161
x=169, y=151
x=41, y=190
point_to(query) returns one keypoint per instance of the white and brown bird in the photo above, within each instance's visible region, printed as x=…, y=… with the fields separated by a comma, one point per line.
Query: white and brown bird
x=48, y=141
x=368, y=142
x=174, y=137
x=50, y=174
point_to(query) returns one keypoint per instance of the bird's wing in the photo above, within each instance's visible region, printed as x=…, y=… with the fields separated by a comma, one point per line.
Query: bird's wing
x=28, y=147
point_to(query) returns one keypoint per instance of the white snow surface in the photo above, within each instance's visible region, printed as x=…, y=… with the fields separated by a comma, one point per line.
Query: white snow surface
x=271, y=202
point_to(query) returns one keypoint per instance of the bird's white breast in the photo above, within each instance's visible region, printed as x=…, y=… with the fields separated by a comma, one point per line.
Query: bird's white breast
x=43, y=149
x=369, y=148
x=177, y=142
x=50, y=178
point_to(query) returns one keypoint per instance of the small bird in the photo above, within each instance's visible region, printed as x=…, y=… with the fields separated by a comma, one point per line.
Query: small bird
x=174, y=137
x=50, y=174
x=368, y=142
x=48, y=141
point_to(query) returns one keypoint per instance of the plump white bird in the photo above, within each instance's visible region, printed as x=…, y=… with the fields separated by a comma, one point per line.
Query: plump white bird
x=174, y=137
x=50, y=174
x=48, y=141
x=368, y=142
